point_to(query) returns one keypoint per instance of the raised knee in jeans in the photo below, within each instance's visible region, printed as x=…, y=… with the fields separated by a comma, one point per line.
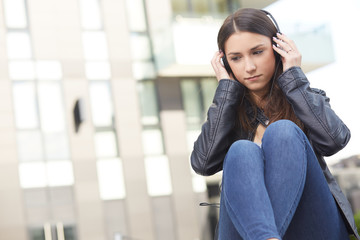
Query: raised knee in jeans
x=282, y=130
x=239, y=153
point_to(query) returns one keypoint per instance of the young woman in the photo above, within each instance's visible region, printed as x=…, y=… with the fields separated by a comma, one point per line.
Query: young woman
x=268, y=131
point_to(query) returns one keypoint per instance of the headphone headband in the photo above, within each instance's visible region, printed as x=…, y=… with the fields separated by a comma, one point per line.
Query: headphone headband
x=272, y=19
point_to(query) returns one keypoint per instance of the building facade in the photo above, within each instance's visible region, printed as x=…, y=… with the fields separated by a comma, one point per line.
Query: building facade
x=100, y=103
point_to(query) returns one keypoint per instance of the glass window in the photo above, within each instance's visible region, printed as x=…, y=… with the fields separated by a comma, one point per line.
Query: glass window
x=192, y=103
x=118, y=236
x=208, y=88
x=158, y=176
x=233, y=5
x=152, y=142
x=32, y=174
x=37, y=233
x=69, y=232
x=148, y=103
x=220, y=6
x=41, y=174
x=144, y=70
x=48, y=70
x=25, y=105
x=56, y=146
x=95, y=46
x=29, y=145
x=105, y=144
x=136, y=16
x=18, y=45
x=179, y=6
x=60, y=173
x=22, y=70
x=200, y=6
x=90, y=14
x=97, y=70
x=15, y=15
x=111, y=180
x=214, y=8
x=140, y=47
x=51, y=107
x=101, y=104
x=197, y=98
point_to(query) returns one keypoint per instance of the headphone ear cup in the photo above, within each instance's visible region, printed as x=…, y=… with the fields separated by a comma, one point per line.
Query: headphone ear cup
x=227, y=67
x=226, y=64
x=277, y=55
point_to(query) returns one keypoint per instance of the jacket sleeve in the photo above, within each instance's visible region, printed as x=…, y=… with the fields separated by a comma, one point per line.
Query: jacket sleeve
x=214, y=140
x=325, y=129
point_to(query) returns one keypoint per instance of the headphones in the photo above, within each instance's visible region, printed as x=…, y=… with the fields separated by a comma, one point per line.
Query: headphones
x=273, y=20
x=226, y=64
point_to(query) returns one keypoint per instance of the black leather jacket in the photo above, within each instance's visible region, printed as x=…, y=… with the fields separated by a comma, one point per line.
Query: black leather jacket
x=325, y=130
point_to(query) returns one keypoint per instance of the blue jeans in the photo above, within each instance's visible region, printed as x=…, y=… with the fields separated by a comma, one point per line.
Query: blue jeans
x=277, y=190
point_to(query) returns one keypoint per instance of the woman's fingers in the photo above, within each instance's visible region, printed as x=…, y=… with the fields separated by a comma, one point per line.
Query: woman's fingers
x=287, y=42
x=288, y=51
x=218, y=66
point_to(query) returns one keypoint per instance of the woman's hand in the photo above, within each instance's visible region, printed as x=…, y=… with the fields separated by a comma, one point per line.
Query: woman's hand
x=288, y=51
x=218, y=67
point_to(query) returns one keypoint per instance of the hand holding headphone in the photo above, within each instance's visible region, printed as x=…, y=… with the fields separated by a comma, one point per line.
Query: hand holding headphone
x=221, y=67
x=286, y=48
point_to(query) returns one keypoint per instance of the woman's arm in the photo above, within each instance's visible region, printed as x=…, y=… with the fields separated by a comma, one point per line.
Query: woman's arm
x=214, y=141
x=325, y=129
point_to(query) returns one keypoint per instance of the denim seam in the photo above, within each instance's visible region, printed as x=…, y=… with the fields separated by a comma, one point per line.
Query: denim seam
x=230, y=209
x=282, y=230
x=228, y=205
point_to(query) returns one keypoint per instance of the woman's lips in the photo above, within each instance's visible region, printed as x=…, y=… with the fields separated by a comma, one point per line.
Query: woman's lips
x=253, y=78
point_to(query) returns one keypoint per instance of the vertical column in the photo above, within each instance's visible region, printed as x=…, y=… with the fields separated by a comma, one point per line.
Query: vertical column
x=127, y=115
x=175, y=140
x=89, y=208
x=12, y=222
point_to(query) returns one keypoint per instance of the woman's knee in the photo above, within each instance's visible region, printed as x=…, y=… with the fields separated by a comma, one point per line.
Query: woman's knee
x=241, y=146
x=242, y=152
x=282, y=131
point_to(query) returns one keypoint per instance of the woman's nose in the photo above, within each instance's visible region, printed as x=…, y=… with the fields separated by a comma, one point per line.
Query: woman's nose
x=250, y=66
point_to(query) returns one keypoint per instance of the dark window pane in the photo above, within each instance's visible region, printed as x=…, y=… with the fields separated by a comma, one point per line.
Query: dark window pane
x=37, y=234
x=70, y=233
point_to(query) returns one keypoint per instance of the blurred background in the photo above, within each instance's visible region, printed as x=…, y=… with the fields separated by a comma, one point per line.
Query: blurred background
x=101, y=101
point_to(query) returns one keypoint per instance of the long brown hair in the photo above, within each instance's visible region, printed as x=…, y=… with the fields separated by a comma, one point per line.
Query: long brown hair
x=276, y=106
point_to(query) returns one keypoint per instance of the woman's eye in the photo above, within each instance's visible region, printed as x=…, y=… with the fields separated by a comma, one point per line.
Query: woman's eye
x=258, y=52
x=235, y=58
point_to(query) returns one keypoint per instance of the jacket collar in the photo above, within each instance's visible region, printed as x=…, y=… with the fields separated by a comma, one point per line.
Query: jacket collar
x=259, y=117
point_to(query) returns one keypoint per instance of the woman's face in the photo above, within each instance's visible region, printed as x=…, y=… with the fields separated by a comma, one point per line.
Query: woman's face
x=252, y=60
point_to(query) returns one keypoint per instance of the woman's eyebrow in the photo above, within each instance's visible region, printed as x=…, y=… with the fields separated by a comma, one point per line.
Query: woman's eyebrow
x=252, y=49
x=257, y=46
